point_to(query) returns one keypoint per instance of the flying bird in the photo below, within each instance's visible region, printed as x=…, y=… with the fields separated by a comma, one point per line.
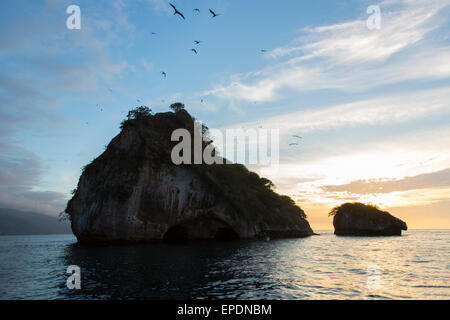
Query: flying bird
x=138, y=100
x=197, y=41
x=198, y=10
x=201, y=100
x=164, y=74
x=295, y=136
x=293, y=144
x=153, y=32
x=263, y=50
x=176, y=11
x=214, y=14
x=194, y=51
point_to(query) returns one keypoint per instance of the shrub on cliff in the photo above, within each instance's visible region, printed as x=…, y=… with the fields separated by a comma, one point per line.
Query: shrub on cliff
x=355, y=207
x=177, y=106
x=246, y=191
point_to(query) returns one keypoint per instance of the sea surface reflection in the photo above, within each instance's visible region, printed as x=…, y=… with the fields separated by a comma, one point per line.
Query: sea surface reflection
x=414, y=266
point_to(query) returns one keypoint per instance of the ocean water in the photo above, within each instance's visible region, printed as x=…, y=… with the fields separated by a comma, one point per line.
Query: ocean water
x=413, y=266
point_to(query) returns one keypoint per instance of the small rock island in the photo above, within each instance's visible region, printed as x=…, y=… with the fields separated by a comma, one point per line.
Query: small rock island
x=133, y=192
x=358, y=219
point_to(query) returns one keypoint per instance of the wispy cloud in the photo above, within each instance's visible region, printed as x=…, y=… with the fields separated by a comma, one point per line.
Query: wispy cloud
x=45, y=67
x=21, y=170
x=159, y=5
x=350, y=57
x=422, y=181
x=352, y=42
x=397, y=108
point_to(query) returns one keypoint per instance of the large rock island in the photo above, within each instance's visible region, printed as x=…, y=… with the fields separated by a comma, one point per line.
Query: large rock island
x=134, y=193
x=357, y=219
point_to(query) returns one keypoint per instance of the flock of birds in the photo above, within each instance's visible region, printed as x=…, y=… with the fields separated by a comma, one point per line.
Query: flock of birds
x=197, y=42
x=295, y=143
x=176, y=12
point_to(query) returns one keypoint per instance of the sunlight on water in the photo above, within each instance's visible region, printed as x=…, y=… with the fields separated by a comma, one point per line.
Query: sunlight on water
x=414, y=266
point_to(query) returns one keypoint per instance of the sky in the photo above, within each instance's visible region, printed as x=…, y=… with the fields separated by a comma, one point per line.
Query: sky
x=372, y=105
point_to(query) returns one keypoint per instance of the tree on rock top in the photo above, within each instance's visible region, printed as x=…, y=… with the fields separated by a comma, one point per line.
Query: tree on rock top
x=355, y=207
x=177, y=106
x=139, y=113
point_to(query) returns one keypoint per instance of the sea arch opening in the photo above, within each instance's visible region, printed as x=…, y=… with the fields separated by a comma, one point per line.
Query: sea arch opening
x=201, y=229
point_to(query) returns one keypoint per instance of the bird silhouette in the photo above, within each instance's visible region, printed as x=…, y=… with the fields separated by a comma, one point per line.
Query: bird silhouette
x=201, y=100
x=197, y=41
x=176, y=11
x=164, y=74
x=198, y=10
x=295, y=136
x=214, y=14
x=263, y=50
x=153, y=32
x=138, y=100
x=293, y=144
x=194, y=51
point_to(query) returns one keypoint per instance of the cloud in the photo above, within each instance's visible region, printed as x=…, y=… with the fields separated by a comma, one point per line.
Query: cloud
x=19, y=167
x=394, y=109
x=48, y=202
x=350, y=57
x=159, y=5
x=427, y=180
x=46, y=68
x=147, y=65
x=352, y=42
x=21, y=172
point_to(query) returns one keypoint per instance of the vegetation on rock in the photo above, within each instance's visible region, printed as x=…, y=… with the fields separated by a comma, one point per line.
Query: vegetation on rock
x=248, y=193
x=356, y=207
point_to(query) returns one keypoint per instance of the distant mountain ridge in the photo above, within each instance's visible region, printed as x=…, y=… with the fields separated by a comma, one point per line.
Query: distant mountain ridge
x=16, y=222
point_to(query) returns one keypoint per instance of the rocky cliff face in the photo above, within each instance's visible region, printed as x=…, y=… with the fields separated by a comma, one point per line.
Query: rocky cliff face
x=133, y=193
x=357, y=219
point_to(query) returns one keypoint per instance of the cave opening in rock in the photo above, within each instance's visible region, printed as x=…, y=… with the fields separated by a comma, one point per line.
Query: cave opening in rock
x=226, y=234
x=201, y=229
x=176, y=233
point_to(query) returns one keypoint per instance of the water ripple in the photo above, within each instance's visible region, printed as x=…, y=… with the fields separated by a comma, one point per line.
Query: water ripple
x=414, y=266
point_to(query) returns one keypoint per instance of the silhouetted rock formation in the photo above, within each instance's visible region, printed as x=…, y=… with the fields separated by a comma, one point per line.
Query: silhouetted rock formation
x=134, y=193
x=357, y=219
